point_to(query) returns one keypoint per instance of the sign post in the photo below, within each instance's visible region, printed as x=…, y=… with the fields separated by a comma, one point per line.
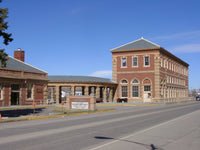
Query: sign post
x=62, y=103
x=34, y=104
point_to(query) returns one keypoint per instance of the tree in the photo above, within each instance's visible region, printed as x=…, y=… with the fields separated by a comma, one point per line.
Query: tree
x=6, y=36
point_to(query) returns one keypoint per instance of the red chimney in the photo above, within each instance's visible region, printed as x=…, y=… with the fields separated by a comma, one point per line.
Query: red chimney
x=19, y=54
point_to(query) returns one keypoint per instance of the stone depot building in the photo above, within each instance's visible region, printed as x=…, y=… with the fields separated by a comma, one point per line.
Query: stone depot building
x=142, y=72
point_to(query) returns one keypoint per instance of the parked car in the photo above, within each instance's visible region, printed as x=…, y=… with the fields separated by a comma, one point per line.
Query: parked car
x=50, y=101
x=99, y=100
x=122, y=100
x=198, y=98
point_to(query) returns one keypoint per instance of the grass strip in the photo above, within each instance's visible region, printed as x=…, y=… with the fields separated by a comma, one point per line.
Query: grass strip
x=60, y=114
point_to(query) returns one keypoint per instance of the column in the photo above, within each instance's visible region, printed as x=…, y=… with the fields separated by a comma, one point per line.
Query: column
x=86, y=90
x=97, y=92
x=57, y=94
x=52, y=92
x=105, y=95
x=72, y=90
x=45, y=94
x=111, y=95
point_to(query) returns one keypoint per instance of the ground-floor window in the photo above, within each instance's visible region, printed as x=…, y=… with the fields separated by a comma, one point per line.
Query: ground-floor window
x=147, y=88
x=124, y=91
x=29, y=90
x=135, y=91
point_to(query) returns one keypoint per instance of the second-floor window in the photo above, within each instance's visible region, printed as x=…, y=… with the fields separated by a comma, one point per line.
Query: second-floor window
x=135, y=62
x=146, y=60
x=123, y=62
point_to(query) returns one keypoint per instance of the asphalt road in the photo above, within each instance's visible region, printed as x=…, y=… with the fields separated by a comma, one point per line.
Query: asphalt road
x=88, y=131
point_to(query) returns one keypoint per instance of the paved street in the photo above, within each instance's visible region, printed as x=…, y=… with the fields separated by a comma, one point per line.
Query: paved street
x=130, y=127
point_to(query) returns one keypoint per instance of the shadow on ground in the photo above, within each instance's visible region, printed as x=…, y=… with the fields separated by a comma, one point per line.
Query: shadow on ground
x=20, y=112
x=150, y=147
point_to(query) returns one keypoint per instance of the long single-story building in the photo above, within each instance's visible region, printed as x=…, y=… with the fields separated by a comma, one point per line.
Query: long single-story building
x=60, y=86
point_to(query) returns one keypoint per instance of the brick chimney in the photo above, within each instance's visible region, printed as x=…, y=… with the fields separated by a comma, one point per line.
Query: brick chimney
x=19, y=54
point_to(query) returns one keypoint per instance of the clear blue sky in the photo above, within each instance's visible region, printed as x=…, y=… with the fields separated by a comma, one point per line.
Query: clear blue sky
x=74, y=37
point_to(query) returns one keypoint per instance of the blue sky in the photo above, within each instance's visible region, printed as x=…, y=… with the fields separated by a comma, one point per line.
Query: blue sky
x=74, y=37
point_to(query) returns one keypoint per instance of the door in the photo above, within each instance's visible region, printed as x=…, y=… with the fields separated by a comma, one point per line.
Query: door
x=147, y=97
x=15, y=92
x=14, y=98
x=147, y=94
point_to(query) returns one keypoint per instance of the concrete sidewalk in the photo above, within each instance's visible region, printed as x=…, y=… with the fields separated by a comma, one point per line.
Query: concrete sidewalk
x=182, y=133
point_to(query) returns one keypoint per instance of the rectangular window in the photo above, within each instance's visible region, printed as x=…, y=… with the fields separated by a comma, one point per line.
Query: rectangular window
x=123, y=62
x=146, y=61
x=147, y=88
x=124, y=91
x=135, y=91
x=135, y=61
x=29, y=90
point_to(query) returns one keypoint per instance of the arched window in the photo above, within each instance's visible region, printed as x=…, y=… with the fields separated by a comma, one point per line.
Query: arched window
x=124, y=81
x=135, y=88
x=124, y=88
x=135, y=81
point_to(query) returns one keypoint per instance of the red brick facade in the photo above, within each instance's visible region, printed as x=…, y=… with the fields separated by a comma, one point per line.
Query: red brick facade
x=38, y=90
x=22, y=86
x=149, y=74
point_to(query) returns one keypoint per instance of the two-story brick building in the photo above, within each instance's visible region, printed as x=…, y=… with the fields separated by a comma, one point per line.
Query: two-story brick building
x=146, y=72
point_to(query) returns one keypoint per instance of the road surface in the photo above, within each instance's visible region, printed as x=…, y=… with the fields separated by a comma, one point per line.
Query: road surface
x=101, y=131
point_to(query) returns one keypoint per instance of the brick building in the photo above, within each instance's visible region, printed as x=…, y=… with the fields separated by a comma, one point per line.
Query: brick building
x=146, y=72
x=21, y=83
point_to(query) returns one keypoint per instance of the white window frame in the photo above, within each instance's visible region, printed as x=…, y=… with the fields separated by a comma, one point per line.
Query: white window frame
x=145, y=61
x=133, y=61
x=31, y=91
x=122, y=59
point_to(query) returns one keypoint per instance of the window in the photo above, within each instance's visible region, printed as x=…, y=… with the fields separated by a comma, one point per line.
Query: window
x=29, y=90
x=135, y=62
x=146, y=60
x=124, y=81
x=135, y=91
x=135, y=81
x=124, y=91
x=147, y=88
x=123, y=62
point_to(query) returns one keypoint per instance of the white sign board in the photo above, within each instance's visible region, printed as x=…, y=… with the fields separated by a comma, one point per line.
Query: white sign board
x=80, y=105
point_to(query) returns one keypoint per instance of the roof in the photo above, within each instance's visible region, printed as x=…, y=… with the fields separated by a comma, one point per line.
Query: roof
x=138, y=44
x=13, y=63
x=143, y=44
x=80, y=79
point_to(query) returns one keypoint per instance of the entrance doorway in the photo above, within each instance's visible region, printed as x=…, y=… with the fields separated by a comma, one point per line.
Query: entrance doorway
x=14, y=98
x=15, y=92
x=147, y=94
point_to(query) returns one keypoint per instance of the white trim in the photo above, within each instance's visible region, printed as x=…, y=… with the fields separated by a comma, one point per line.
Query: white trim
x=27, y=64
